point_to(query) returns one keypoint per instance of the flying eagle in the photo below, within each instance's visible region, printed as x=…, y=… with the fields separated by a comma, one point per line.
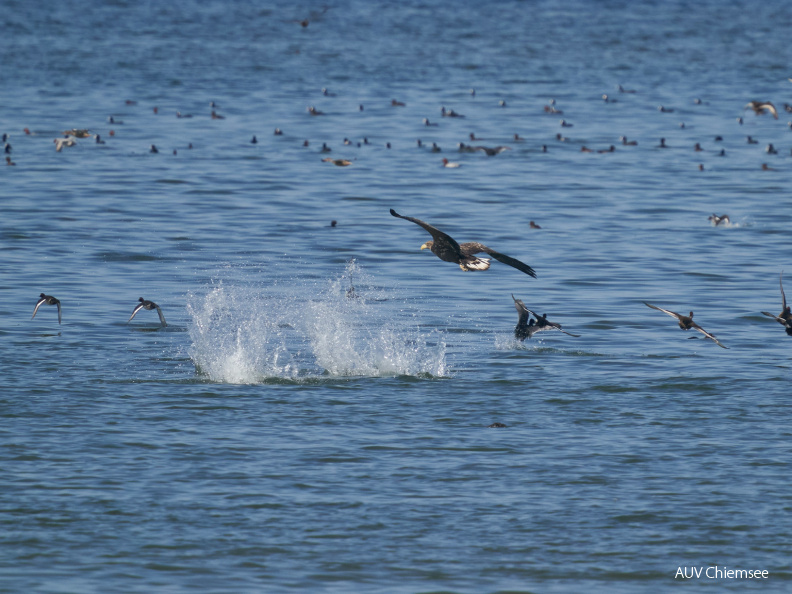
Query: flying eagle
x=447, y=249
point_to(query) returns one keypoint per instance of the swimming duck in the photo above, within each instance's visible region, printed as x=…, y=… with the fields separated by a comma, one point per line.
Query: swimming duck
x=426, y=122
x=395, y=103
x=148, y=305
x=447, y=163
x=338, y=162
x=49, y=300
x=626, y=142
x=77, y=133
x=785, y=317
x=450, y=113
x=9, y=161
x=686, y=323
x=533, y=225
x=217, y=116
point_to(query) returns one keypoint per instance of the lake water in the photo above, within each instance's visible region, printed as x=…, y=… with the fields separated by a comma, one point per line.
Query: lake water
x=283, y=434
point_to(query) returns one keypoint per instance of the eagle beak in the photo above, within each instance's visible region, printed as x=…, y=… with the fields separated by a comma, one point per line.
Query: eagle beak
x=424, y=246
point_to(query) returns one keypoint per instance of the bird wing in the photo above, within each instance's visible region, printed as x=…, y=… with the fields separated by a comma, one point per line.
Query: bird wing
x=437, y=235
x=551, y=324
x=771, y=108
x=59, y=311
x=781, y=284
x=134, y=312
x=522, y=311
x=161, y=317
x=472, y=248
x=674, y=315
x=778, y=319
x=38, y=304
x=708, y=335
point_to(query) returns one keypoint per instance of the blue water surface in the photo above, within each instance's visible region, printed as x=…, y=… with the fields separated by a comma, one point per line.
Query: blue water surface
x=316, y=415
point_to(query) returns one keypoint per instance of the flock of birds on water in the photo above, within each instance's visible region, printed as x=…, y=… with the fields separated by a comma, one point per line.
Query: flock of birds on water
x=442, y=244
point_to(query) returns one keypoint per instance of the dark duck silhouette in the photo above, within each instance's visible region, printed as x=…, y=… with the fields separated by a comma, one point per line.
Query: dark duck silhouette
x=149, y=305
x=526, y=328
x=686, y=323
x=785, y=317
x=48, y=300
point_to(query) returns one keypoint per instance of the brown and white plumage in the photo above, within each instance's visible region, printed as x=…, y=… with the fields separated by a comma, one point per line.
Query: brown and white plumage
x=149, y=305
x=760, y=107
x=447, y=249
x=49, y=300
x=338, y=162
x=785, y=317
x=686, y=323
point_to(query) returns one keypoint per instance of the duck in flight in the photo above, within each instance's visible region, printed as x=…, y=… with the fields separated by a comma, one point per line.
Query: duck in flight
x=785, y=317
x=447, y=249
x=686, y=323
x=48, y=300
x=148, y=305
x=760, y=107
x=719, y=220
x=526, y=327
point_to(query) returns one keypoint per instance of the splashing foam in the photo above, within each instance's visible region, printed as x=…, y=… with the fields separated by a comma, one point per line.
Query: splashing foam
x=245, y=334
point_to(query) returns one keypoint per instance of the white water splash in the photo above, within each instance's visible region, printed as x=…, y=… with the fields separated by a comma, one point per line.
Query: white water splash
x=297, y=331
